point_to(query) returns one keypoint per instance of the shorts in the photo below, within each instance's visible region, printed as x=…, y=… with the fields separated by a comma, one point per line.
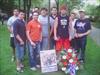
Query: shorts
x=12, y=44
x=20, y=51
x=62, y=43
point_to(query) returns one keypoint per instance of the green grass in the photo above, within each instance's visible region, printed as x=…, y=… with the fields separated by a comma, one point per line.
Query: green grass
x=92, y=65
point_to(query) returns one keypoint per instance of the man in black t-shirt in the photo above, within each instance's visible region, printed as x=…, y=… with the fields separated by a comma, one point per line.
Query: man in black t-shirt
x=83, y=28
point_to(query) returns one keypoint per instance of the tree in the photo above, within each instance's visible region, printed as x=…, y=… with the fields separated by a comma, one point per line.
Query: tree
x=71, y=4
x=7, y=6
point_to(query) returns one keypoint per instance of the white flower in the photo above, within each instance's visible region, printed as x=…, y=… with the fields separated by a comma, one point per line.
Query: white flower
x=69, y=50
x=77, y=68
x=73, y=55
x=71, y=60
x=64, y=57
x=63, y=68
x=67, y=71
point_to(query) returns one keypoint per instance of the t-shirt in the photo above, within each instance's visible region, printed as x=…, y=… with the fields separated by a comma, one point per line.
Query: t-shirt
x=62, y=28
x=19, y=29
x=34, y=29
x=45, y=25
x=10, y=24
x=82, y=26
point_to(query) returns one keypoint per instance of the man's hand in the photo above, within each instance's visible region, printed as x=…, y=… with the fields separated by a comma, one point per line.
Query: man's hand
x=32, y=43
x=56, y=38
x=76, y=35
x=80, y=35
x=21, y=43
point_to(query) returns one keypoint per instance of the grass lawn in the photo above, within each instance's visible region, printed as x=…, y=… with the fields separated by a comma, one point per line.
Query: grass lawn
x=92, y=65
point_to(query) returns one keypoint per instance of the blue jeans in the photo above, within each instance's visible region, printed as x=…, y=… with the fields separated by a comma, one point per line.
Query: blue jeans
x=19, y=51
x=44, y=43
x=52, y=43
x=81, y=44
x=34, y=54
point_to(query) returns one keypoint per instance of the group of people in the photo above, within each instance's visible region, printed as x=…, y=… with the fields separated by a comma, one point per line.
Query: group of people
x=58, y=32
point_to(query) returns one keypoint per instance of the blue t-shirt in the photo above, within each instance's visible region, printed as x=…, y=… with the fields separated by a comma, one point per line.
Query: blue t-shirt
x=82, y=26
x=19, y=29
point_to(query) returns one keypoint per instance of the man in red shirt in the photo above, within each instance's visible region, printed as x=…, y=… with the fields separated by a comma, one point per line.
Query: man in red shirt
x=33, y=32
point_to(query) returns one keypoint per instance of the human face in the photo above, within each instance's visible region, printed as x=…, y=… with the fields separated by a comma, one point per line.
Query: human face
x=43, y=12
x=21, y=15
x=82, y=15
x=72, y=16
x=63, y=12
x=54, y=11
x=16, y=12
x=35, y=16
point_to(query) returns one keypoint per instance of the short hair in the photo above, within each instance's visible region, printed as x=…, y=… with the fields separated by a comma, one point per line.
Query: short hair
x=73, y=13
x=15, y=9
x=53, y=8
x=35, y=12
x=37, y=7
x=44, y=9
x=21, y=11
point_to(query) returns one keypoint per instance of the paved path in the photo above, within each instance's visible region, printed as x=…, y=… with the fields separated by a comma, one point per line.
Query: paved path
x=95, y=35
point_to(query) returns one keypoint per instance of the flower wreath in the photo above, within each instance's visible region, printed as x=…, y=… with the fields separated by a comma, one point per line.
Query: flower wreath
x=69, y=61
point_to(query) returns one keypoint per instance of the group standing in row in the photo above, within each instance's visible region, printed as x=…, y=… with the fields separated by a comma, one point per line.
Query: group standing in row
x=58, y=32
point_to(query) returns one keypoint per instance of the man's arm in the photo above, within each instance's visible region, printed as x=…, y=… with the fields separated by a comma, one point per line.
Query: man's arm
x=9, y=25
x=55, y=28
x=84, y=34
x=28, y=36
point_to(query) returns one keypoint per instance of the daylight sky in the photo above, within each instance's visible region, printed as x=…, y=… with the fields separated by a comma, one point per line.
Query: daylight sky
x=92, y=2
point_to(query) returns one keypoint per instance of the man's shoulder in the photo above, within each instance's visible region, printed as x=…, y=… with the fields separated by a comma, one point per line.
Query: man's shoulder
x=12, y=17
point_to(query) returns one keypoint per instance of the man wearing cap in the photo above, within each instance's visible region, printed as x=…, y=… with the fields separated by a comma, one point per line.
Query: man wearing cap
x=61, y=31
x=83, y=28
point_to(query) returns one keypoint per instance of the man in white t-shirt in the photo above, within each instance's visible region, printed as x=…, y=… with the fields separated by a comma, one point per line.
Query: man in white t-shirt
x=43, y=19
x=10, y=28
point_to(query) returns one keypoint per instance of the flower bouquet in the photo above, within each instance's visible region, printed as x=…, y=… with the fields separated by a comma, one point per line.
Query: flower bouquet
x=69, y=61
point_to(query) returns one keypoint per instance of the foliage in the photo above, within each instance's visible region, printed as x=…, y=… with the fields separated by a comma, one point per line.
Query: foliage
x=7, y=6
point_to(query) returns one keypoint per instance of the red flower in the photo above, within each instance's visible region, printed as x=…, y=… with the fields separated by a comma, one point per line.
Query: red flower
x=76, y=59
x=67, y=57
x=74, y=63
x=70, y=54
x=64, y=63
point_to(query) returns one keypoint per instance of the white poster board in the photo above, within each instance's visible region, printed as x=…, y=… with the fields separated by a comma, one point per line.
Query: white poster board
x=48, y=61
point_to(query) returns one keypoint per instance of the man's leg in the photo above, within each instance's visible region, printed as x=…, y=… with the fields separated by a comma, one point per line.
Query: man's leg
x=58, y=48
x=12, y=44
x=32, y=60
x=19, y=56
x=45, y=43
x=83, y=47
x=66, y=43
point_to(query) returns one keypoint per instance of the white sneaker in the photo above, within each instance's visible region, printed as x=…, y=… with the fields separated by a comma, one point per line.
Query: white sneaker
x=33, y=69
x=38, y=66
x=19, y=69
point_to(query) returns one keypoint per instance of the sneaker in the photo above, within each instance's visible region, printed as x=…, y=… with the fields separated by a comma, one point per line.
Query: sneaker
x=38, y=66
x=33, y=69
x=19, y=70
x=82, y=61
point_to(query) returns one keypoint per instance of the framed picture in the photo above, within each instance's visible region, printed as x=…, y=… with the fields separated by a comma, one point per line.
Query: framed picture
x=48, y=61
